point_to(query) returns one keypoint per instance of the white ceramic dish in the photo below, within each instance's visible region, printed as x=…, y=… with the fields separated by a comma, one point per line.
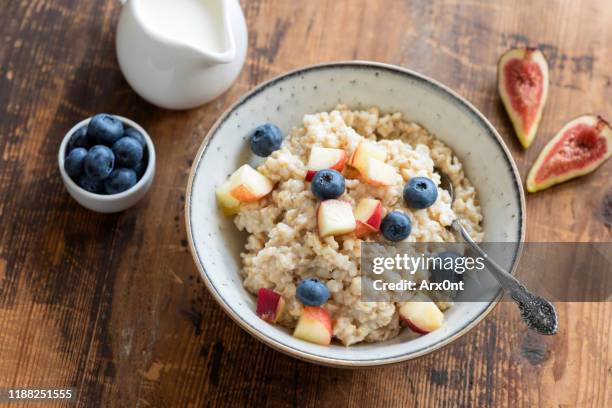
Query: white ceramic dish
x=216, y=243
x=115, y=202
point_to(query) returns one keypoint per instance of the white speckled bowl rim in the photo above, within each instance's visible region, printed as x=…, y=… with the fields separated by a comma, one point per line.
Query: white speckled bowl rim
x=466, y=106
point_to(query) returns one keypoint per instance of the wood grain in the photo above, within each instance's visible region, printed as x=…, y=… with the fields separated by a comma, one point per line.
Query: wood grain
x=112, y=304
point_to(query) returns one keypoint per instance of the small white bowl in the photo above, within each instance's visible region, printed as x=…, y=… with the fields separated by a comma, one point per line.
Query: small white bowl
x=216, y=243
x=114, y=202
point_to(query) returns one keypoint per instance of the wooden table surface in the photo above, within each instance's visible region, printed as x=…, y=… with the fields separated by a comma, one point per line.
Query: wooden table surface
x=112, y=304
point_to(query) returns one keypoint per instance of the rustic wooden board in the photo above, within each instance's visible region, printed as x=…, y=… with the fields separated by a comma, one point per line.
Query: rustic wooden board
x=112, y=304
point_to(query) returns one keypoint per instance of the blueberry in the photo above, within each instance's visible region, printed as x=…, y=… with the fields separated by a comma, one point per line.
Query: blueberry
x=128, y=152
x=79, y=139
x=99, y=162
x=327, y=184
x=105, y=129
x=312, y=292
x=442, y=268
x=91, y=185
x=73, y=163
x=121, y=179
x=396, y=226
x=134, y=134
x=265, y=139
x=420, y=193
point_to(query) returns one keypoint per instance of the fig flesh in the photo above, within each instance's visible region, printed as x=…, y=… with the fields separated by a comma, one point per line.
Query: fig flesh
x=580, y=147
x=522, y=80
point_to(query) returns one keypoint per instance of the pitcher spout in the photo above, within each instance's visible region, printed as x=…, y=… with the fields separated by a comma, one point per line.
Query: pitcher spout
x=199, y=28
x=224, y=51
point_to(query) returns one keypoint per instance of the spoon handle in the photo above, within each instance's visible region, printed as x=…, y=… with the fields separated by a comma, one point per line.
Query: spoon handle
x=506, y=280
x=538, y=313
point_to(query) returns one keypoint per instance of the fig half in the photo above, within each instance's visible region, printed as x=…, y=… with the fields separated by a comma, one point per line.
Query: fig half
x=522, y=80
x=581, y=146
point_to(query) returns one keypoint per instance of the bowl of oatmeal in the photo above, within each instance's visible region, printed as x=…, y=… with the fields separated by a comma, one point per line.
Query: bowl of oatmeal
x=378, y=127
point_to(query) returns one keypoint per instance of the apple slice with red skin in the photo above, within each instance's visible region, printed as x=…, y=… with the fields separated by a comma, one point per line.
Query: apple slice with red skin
x=580, y=147
x=365, y=151
x=270, y=305
x=368, y=215
x=335, y=217
x=522, y=80
x=248, y=185
x=422, y=316
x=325, y=158
x=314, y=326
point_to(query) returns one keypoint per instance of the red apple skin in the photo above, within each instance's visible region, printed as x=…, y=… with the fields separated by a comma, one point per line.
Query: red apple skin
x=310, y=174
x=413, y=327
x=371, y=224
x=339, y=166
x=376, y=218
x=423, y=317
x=363, y=229
x=270, y=305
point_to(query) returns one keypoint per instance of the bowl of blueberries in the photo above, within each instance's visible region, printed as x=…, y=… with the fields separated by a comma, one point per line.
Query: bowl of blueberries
x=107, y=163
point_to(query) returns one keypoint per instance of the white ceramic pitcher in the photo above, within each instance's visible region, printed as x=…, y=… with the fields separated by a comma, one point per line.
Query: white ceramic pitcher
x=179, y=54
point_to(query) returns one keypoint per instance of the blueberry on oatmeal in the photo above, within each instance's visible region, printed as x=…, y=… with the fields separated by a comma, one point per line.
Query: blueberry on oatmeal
x=420, y=193
x=327, y=184
x=265, y=139
x=312, y=292
x=396, y=226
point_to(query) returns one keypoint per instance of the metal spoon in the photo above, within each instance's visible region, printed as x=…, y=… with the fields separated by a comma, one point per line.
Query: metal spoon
x=538, y=313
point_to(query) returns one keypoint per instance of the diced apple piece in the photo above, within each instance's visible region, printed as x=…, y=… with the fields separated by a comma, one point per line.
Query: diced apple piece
x=421, y=316
x=368, y=215
x=325, y=158
x=366, y=150
x=315, y=326
x=226, y=201
x=270, y=305
x=335, y=217
x=248, y=185
x=379, y=173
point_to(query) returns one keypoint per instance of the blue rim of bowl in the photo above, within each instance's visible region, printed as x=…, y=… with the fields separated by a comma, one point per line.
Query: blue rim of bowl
x=61, y=155
x=368, y=65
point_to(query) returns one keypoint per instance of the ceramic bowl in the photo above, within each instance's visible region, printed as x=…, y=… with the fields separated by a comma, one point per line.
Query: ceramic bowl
x=216, y=243
x=114, y=202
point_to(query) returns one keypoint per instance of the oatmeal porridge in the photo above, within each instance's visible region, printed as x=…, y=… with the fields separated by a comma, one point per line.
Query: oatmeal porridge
x=290, y=240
